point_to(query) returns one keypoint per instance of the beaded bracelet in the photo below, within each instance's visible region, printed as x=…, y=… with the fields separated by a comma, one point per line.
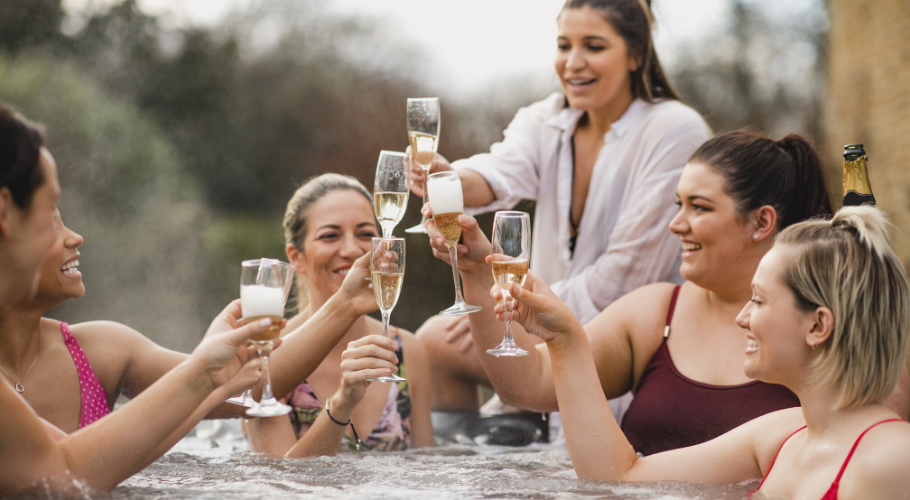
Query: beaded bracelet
x=350, y=422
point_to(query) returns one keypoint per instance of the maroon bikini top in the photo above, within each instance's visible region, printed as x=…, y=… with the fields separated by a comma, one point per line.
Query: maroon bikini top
x=671, y=411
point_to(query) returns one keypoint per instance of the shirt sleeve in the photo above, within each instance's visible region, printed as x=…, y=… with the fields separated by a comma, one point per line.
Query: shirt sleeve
x=640, y=249
x=511, y=166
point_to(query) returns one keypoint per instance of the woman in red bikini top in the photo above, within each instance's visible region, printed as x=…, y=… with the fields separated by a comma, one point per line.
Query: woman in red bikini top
x=736, y=193
x=829, y=319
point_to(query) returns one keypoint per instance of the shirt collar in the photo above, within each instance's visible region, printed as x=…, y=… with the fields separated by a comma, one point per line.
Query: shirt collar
x=567, y=118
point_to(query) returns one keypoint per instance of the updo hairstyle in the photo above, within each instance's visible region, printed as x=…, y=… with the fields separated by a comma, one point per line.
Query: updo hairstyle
x=296, y=217
x=20, y=151
x=786, y=174
x=848, y=266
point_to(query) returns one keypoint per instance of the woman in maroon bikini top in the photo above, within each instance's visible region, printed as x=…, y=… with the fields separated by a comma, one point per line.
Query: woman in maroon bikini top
x=829, y=319
x=735, y=194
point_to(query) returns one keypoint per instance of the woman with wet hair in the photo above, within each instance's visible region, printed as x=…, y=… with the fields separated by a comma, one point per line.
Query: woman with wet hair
x=600, y=158
x=329, y=224
x=679, y=348
x=828, y=319
x=37, y=457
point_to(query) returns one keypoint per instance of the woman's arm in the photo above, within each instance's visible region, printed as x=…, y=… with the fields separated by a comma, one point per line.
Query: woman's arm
x=597, y=446
x=416, y=361
x=367, y=358
x=104, y=453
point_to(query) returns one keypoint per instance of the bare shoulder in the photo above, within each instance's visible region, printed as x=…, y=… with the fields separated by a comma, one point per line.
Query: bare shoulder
x=105, y=331
x=641, y=311
x=879, y=466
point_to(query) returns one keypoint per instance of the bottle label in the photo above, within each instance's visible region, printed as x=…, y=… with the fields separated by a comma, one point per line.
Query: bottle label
x=854, y=199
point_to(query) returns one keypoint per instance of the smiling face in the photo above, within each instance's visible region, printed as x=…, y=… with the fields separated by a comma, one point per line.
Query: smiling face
x=716, y=242
x=778, y=350
x=340, y=227
x=592, y=61
x=31, y=231
x=60, y=276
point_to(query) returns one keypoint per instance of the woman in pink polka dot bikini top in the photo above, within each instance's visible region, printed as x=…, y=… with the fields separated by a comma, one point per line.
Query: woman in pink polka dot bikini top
x=69, y=382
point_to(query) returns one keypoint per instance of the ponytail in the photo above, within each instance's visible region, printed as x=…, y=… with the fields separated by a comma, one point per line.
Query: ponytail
x=757, y=170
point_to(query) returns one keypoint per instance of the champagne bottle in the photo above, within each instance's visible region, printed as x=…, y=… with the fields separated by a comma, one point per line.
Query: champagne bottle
x=857, y=190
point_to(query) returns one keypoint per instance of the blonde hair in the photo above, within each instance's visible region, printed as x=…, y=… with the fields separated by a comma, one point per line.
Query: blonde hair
x=296, y=216
x=847, y=265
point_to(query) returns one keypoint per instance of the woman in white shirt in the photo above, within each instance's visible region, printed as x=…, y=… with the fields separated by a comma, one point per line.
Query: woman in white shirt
x=601, y=159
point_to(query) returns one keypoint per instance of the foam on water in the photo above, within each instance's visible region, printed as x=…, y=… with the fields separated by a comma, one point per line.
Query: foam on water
x=218, y=468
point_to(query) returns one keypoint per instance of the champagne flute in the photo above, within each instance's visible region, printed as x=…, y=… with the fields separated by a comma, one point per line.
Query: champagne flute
x=391, y=188
x=387, y=270
x=423, y=134
x=287, y=278
x=447, y=203
x=262, y=295
x=511, y=258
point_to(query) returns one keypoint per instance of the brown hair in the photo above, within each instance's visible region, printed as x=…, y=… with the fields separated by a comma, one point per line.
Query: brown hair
x=296, y=217
x=632, y=19
x=848, y=266
x=758, y=171
x=20, y=151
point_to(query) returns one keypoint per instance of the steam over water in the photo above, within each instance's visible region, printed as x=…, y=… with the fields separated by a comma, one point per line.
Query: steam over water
x=221, y=469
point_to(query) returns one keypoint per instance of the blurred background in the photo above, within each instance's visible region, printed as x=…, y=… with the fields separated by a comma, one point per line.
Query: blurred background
x=181, y=128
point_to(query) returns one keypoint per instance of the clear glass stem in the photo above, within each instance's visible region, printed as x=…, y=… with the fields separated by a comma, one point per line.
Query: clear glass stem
x=507, y=338
x=387, y=229
x=423, y=215
x=385, y=323
x=453, y=256
x=267, y=396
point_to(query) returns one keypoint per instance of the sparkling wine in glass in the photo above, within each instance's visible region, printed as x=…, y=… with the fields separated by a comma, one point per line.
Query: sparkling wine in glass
x=447, y=203
x=262, y=296
x=511, y=258
x=287, y=278
x=387, y=271
x=390, y=191
x=423, y=134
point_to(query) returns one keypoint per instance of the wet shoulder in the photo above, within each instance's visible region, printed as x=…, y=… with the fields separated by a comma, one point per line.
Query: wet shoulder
x=880, y=464
x=107, y=341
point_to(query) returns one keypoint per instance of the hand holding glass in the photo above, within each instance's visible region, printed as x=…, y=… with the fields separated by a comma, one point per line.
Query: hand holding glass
x=387, y=270
x=423, y=134
x=511, y=258
x=262, y=295
x=447, y=203
x=390, y=191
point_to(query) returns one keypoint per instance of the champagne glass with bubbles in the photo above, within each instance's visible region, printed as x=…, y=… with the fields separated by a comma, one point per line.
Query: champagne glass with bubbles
x=390, y=191
x=423, y=134
x=262, y=296
x=387, y=270
x=511, y=258
x=287, y=279
x=447, y=203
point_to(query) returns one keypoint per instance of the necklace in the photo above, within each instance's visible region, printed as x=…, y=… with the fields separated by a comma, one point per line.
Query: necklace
x=19, y=387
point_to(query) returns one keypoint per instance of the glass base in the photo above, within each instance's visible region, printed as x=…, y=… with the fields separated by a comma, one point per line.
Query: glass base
x=242, y=401
x=513, y=351
x=387, y=378
x=418, y=229
x=461, y=308
x=269, y=410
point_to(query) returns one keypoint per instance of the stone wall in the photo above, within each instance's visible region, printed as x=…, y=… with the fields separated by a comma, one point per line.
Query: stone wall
x=868, y=101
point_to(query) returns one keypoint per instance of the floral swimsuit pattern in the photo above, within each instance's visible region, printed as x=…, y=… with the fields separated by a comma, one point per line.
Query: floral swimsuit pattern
x=392, y=432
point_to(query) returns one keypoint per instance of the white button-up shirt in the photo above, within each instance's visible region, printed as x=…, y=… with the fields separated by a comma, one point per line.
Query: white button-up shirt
x=623, y=241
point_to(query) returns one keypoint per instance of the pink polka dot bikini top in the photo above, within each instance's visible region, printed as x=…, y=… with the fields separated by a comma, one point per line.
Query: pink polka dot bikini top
x=94, y=399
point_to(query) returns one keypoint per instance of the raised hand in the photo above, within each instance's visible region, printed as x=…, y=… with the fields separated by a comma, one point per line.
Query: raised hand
x=536, y=308
x=419, y=177
x=473, y=248
x=370, y=357
x=357, y=288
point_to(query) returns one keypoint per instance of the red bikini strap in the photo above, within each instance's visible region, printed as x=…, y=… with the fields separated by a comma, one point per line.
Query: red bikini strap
x=850, y=455
x=671, y=309
x=776, y=455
